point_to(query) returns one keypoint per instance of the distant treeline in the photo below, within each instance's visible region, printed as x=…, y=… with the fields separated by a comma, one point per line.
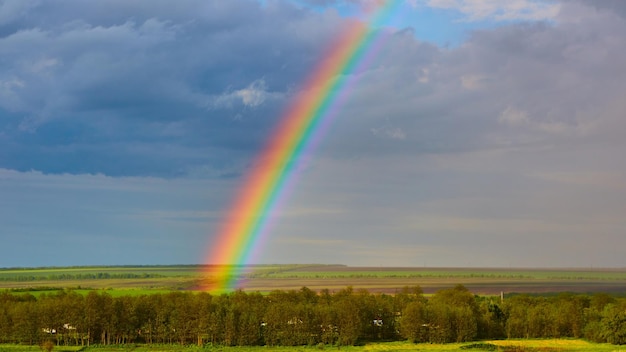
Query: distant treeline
x=304, y=317
x=101, y=267
x=392, y=275
x=80, y=276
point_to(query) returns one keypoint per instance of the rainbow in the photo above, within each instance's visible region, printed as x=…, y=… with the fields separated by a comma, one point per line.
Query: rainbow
x=267, y=180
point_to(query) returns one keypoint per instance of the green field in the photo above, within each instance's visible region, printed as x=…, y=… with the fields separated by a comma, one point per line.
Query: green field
x=509, y=345
x=537, y=274
x=135, y=280
x=91, y=273
x=120, y=280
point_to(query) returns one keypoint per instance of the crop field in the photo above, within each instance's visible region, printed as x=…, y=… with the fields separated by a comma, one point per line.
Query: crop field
x=508, y=345
x=136, y=280
x=478, y=280
x=340, y=271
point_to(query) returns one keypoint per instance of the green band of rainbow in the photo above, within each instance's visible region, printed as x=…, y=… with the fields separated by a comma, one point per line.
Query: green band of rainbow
x=249, y=214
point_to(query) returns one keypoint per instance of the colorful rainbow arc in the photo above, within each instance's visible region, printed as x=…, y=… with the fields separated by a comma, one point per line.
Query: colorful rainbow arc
x=248, y=217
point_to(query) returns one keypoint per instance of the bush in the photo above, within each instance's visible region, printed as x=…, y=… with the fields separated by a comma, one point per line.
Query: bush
x=480, y=346
x=47, y=345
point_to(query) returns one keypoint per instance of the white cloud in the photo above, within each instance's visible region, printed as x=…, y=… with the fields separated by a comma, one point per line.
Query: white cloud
x=514, y=117
x=519, y=118
x=308, y=241
x=499, y=10
x=43, y=65
x=592, y=179
x=424, y=76
x=254, y=95
x=389, y=132
x=472, y=82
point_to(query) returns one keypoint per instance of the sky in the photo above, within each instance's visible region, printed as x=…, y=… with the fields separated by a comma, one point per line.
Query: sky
x=484, y=133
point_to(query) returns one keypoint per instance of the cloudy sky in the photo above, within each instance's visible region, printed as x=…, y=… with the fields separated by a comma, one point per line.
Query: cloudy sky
x=483, y=133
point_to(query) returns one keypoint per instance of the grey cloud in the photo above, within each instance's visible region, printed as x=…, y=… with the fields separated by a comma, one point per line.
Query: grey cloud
x=500, y=10
x=120, y=219
x=334, y=2
x=512, y=141
x=614, y=6
x=513, y=85
x=14, y=10
x=81, y=83
x=503, y=148
x=206, y=81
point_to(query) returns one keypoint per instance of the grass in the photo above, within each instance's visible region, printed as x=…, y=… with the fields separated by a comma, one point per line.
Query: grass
x=21, y=348
x=558, y=345
x=118, y=272
x=167, y=271
x=84, y=292
x=507, y=346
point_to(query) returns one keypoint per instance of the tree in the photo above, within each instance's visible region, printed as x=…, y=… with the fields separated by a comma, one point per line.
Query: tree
x=454, y=315
x=25, y=318
x=50, y=316
x=407, y=295
x=327, y=318
x=613, y=324
x=202, y=305
x=6, y=325
x=72, y=308
x=387, y=328
x=539, y=320
x=249, y=308
x=492, y=324
x=98, y=314
x=348, y=317
x=414, y=324
x=516, y=312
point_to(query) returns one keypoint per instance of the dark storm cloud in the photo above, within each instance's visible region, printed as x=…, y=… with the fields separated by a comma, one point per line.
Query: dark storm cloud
x=147, y=88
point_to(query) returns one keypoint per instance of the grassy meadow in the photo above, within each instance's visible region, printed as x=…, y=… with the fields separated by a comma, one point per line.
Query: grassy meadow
x=505, y=346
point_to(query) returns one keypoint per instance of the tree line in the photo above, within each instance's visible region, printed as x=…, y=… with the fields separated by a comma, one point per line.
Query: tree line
x=305, y=317
x=80, y=276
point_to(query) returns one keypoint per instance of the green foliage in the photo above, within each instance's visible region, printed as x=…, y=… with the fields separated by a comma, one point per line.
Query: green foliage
x=613, y=324
x=483, y=346
x=47, y=345
x=302, y=318
x=414, y=324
